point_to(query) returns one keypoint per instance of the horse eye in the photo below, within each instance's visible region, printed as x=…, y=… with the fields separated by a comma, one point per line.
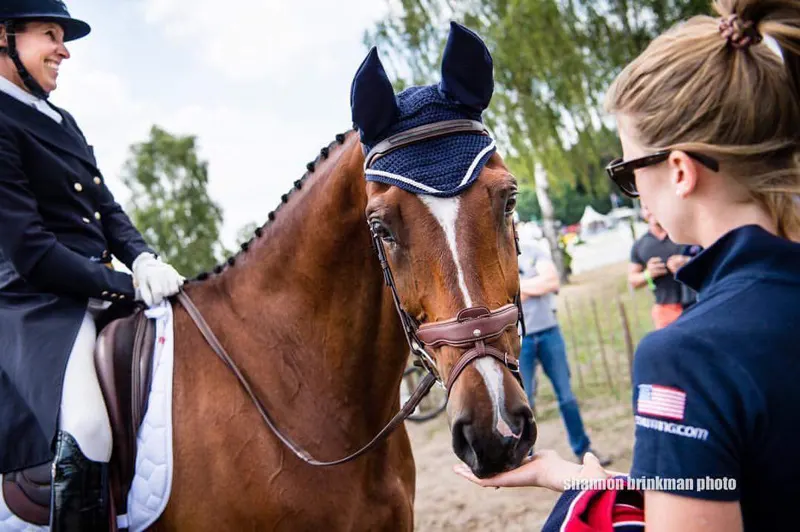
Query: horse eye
x=381, y=231
x=511, y=204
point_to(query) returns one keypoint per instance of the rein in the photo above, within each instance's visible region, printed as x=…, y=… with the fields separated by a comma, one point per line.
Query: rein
x=473, y=326
x=424, y=386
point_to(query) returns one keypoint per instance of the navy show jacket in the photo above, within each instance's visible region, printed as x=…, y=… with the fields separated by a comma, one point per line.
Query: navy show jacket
x=59, y=227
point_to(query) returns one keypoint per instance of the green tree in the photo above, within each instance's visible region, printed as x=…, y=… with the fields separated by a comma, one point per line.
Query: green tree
x=170, y=204
x=246, y=232
x=554, y=59
x=527, y=204
x=568, y=204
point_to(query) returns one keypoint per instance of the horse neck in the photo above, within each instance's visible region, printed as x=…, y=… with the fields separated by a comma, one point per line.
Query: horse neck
x=321, y=330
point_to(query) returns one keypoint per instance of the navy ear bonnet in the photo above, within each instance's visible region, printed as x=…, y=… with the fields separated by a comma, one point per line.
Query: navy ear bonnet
x=442, y=166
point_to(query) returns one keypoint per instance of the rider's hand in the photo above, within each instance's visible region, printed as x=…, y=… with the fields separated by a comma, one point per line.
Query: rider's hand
x=656, y=267
x=154, y=280
x=546, y=470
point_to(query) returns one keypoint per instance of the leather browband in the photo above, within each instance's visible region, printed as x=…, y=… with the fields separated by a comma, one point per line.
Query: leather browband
x=420, y=133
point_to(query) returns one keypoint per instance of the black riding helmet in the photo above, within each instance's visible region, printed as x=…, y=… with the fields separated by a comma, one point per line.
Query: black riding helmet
x=13, y=12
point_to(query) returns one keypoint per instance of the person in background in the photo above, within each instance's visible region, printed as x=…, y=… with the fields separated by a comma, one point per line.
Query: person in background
x=655, y=259
x=543, y=342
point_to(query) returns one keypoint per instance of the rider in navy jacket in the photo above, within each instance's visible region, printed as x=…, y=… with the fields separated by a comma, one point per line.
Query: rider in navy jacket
x=59, y=228
x=57, y=210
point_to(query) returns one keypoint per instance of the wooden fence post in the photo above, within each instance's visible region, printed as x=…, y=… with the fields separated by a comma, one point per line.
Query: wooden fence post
x=586, y=327
x=612, y=337
x=602, y=346
x=627, y=334
x=576, y=358
x=635, y=309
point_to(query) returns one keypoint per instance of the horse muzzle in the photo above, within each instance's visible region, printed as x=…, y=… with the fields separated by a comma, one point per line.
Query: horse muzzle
x=488, y=440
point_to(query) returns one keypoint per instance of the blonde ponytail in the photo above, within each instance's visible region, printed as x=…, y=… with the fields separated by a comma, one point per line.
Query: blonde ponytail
x=716, y=85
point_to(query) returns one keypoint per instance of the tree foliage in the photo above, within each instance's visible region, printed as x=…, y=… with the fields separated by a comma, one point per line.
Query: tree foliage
x=170, y=203
x=554, y=60
x=245, y=232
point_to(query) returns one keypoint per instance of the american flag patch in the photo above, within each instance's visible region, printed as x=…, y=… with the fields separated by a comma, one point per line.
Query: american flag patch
x=661, y=401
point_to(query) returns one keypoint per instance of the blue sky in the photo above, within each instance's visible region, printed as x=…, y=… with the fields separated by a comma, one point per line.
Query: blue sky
x=264, y=84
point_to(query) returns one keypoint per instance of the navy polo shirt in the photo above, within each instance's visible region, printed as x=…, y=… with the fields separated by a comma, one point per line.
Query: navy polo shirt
x=716, y=394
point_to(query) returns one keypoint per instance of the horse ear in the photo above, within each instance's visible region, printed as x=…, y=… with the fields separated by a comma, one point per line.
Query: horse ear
x=467, y=69
x=372, y=99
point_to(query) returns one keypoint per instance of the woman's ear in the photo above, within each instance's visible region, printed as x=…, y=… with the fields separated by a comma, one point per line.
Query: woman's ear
x=3, y=37
x=683, y=173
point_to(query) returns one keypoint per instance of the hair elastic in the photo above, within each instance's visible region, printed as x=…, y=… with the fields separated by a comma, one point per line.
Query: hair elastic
x=739, y=33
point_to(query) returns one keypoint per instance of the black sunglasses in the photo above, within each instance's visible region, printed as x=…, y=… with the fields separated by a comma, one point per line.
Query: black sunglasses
x=621, y=172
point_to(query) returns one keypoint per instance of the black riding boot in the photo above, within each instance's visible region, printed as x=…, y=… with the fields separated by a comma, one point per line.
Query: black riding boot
x=79, y=494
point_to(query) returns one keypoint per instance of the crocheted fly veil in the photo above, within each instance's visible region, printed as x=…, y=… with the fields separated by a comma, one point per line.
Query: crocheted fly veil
x=442, y=166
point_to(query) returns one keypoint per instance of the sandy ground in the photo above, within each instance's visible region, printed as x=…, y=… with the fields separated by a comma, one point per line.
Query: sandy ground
x=445, y=501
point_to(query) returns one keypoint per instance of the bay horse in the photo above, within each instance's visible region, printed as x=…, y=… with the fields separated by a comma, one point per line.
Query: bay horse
x=306, y=312
x=400, y=238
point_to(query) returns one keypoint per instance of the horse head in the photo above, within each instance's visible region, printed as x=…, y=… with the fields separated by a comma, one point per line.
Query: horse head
x=440, y=205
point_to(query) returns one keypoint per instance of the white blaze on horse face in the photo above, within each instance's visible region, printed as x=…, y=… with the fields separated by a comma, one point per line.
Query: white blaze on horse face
x=492, y=374
x=445, y=210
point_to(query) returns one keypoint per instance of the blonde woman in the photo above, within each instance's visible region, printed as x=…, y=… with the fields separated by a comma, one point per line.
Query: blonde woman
x=709, y=120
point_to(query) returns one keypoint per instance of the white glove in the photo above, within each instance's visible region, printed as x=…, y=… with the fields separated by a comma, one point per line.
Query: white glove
x=154, y=279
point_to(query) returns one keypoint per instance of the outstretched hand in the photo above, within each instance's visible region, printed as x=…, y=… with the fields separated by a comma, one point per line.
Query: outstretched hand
x=546, y=469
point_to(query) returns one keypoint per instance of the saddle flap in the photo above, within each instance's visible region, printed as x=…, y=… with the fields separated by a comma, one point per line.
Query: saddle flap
x=27, y=494
x=123, y=357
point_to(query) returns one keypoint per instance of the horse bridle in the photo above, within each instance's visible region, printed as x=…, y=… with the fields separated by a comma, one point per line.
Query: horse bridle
x=472, y=328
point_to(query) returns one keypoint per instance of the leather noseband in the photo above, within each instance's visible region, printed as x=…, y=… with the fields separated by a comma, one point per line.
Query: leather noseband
x=472, y=326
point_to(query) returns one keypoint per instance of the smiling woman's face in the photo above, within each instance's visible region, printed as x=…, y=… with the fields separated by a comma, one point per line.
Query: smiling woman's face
x=41, y=49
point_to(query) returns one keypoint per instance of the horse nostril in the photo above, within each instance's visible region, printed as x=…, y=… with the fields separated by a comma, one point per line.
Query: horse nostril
x=520, y=411
x=463, y=435
x=524, y=424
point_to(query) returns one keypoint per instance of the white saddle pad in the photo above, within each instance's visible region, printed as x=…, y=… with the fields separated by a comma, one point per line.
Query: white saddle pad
x=152, y=480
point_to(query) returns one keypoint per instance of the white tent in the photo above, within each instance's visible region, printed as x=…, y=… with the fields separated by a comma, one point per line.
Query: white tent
x=621, y=213
x=592, y=221
x=592, y=216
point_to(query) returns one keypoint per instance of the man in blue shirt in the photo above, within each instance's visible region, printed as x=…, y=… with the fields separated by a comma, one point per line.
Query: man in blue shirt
x=544, y=342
